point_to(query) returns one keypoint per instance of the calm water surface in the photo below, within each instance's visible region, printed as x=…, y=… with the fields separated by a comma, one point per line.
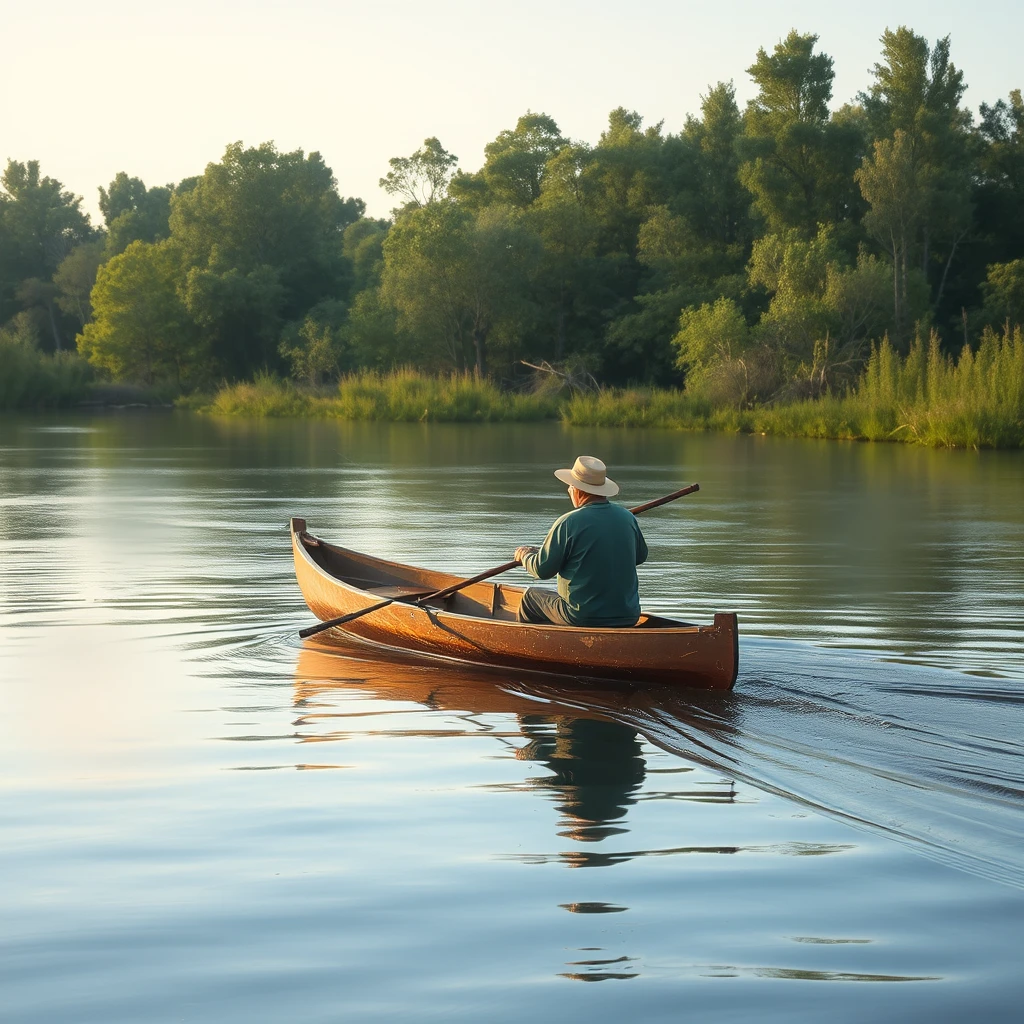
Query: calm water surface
x=204, y=819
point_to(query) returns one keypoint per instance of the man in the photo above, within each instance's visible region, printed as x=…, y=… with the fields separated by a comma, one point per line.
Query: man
x=594, y=550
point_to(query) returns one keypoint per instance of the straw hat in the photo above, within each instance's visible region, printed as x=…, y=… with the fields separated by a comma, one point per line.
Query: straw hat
x=590, y=475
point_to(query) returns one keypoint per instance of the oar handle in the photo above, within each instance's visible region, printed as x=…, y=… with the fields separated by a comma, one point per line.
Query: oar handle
x=664, y=501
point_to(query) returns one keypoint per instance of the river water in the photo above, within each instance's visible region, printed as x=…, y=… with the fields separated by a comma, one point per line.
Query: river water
x=203, y=818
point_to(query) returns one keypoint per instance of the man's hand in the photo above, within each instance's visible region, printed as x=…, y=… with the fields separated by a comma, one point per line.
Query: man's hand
x=522, y=552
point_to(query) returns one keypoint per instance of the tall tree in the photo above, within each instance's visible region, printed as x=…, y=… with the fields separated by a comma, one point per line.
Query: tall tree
x=134, y=213
x=918, y=180
x=461, y=279
x=40, y=223
x=695, y=246
x=261, y=236
x=1000, y=189
x=420, y=179
x=797, y=164
x=362, y=244
x=570, y=285
x=711, y=196
x=74, y=280
x=141, y=330
x=515, y=164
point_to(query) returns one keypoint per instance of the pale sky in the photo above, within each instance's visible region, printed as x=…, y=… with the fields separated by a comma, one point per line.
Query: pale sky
x=158, y=89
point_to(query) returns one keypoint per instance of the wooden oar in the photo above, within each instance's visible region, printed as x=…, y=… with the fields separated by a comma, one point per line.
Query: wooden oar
x=664, y=501
x=456, y=587
x=434, y=596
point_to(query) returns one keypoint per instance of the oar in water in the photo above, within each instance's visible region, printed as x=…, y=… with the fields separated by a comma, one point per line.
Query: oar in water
x=437, y=595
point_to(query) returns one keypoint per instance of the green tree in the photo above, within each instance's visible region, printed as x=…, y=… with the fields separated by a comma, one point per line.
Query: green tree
x=823, y=311
x=715, y=349
x=373, y=338
x=918, y=180
x=134, y=213
x=40, y=223
x=141, y=330
x=570, y=283
x=1004, y=294
x=420, y=179
x=685, y=268
x=999, y=194
x=693, y=247
x=710, y=195
x=74, y=280
x=798, y=164
x=316, y=353
x=238, y=312
x=261, y=236
x=460, y=279
x=623, y=177
x=515, y=164
x=890, y=183
x=363, y=245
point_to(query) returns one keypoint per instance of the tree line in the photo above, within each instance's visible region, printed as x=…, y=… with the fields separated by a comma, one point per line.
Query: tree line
x=756, y=253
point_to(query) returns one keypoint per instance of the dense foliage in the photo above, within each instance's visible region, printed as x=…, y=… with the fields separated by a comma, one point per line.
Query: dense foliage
x=755, y=258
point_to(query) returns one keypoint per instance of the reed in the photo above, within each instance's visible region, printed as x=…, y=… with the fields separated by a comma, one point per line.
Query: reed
x=264, y=396
x=31, y=379
x=925, y=397
x=975, y=401
x=401, y=396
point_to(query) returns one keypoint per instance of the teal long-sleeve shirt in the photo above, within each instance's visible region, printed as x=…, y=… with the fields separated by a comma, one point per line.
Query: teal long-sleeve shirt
x=594, y=551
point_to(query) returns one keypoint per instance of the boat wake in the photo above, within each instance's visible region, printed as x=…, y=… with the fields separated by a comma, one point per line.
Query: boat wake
x=930, y=759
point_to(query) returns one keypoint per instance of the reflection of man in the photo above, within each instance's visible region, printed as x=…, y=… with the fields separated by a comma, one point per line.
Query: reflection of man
x=594, y=550
x=597, y=766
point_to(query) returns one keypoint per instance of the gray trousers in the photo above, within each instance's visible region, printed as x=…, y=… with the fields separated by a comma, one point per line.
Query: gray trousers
x=540, y=606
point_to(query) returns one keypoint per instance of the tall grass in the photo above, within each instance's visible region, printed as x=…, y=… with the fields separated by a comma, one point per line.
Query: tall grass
x=401, y=396
x=975, y=401
x=31, y=379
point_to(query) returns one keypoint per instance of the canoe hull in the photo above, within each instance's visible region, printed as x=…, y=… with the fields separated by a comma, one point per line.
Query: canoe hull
x=478, y=625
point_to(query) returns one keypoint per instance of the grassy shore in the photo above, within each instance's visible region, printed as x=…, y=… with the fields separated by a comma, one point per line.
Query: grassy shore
x=30, y=379
x=975, y=401
x=402, y=396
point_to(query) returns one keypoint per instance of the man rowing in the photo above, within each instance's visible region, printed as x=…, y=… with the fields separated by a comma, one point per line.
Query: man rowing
x=593, y=550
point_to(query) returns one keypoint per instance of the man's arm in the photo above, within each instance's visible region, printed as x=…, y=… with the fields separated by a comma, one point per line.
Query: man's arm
x=546, y=562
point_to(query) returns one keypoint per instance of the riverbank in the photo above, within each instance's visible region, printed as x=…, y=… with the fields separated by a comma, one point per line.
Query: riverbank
x=925, y=397
x=31, y=380
x=403, y=396
x=976, y=401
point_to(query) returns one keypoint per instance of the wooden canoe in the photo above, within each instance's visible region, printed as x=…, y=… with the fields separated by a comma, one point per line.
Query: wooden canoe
x=478, y=625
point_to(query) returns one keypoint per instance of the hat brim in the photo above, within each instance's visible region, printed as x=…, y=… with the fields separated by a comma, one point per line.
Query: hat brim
x=607, y=489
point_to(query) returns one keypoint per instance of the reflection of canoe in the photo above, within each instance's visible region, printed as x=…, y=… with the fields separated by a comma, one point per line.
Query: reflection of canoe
x=476, y=690
x=325, y=668
x=585, y=733
x=478, y=625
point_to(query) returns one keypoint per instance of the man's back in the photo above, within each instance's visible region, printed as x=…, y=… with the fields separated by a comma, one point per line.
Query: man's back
x=594, y=550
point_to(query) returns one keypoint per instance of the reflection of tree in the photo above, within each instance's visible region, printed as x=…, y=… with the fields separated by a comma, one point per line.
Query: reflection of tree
x=597, y=766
